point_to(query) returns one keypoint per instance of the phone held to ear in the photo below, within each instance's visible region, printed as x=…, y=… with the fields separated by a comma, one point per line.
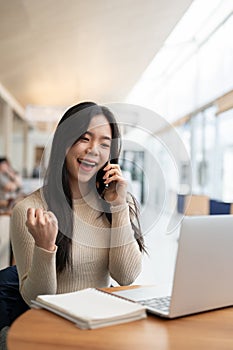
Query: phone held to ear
x=106, y=186
x=100, y=183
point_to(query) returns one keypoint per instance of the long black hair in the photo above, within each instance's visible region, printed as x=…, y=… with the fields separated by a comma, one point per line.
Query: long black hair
x=56, y=189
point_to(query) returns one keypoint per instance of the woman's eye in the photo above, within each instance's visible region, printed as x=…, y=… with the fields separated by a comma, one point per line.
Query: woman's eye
x=84, y=138
x=105, y=145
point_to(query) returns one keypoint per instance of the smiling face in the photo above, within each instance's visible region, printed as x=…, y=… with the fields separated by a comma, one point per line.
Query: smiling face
x=92, y=150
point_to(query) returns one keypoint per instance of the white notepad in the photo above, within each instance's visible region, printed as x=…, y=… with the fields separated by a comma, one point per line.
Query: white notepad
x=91, y=308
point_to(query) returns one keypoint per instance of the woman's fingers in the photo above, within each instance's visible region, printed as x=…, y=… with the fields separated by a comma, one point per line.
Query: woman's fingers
x=40, y=217
x=30, y=216
x=114, y=178
x=112, y=171
x=117, y=189
x=50, y=217
x=35, y=216
x=43, y=226
x=112, y=166
x=30, y=213
x=113, y=174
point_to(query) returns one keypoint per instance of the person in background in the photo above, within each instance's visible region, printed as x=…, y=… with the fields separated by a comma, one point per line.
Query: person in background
x=10, y=182
x=81, y=229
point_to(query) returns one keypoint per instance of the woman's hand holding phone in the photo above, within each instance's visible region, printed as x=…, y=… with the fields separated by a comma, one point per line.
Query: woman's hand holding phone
x=116, y=186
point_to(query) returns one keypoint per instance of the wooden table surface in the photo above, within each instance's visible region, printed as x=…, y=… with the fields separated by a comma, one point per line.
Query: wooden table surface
x=40, y=329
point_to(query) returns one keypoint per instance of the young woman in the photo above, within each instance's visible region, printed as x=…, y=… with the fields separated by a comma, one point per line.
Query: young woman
x=81, y=228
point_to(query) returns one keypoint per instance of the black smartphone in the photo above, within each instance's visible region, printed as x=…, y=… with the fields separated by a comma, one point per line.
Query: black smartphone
x=101, y=186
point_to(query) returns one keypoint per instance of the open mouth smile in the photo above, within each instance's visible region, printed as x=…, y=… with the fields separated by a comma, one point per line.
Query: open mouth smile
x=87, y=165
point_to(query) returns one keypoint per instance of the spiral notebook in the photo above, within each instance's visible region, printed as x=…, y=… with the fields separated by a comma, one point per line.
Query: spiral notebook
x=91, y=308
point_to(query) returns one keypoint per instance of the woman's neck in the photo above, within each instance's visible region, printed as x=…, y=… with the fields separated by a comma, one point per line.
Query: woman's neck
x=79, y=190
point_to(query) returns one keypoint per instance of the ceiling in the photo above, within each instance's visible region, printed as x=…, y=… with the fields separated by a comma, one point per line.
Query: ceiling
x=60, y=52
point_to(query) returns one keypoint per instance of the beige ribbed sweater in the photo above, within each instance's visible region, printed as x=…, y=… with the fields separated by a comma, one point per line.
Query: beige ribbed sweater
x=99, y=251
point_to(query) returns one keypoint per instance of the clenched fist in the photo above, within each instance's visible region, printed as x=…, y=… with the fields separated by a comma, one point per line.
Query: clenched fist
x=43, y=227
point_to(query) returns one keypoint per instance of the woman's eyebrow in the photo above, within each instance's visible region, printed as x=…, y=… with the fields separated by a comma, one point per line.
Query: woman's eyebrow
x=102, y=137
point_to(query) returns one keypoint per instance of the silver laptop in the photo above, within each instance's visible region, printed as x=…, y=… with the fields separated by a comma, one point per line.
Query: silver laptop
x=203, y=278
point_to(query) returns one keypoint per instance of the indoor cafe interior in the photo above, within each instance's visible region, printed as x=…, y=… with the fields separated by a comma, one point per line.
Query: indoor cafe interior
x=168, y=79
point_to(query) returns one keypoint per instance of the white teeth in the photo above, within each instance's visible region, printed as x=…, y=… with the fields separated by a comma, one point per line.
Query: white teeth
x=88, y=163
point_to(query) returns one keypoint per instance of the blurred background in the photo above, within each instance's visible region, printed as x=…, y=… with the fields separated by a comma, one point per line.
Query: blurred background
x=173, y=58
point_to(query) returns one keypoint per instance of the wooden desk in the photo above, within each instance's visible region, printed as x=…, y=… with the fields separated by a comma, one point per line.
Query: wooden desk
x=40, y=329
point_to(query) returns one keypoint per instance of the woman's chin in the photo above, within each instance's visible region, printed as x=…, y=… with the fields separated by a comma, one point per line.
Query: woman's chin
x=84, y=180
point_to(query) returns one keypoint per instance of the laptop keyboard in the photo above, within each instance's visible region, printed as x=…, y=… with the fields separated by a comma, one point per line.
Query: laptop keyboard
x=162, y=303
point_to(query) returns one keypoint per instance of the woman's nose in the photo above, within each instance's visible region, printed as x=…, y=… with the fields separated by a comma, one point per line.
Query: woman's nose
x=93, y=149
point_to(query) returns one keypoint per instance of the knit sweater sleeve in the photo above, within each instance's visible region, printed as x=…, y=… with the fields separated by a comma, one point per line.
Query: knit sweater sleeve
x=36, y=266
x=125, y=258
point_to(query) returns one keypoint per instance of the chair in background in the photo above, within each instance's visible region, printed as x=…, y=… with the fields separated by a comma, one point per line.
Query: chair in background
x=196, y=205
x=231, y=209
x=202, y=205
x=219, y=208
x=180, y=203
